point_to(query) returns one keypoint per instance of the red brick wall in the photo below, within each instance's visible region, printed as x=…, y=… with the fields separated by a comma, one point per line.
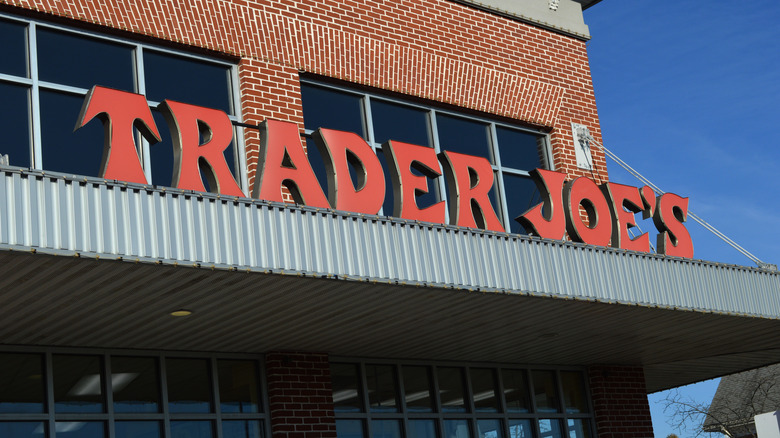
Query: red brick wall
x=434, y=49
x=620, y=402
x=300, y=395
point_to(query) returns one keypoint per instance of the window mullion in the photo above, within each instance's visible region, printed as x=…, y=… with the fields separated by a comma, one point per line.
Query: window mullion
x=441, y=193
x=36, y=159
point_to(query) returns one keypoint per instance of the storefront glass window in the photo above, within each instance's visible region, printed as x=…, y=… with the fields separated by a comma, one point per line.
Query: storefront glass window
x=21, y=384
x=189, y=385
x=417, y=389
x=135, y=384
x=80, y=429
x=398, y=122
x=386, y=429
x=574, y=392
x=483, y=386
x=241, y=429
x=516, y=391
x=346, y=388
x=15, y=124
x=78, y=384
x=545, y=391
x=451, y=390
x=137, y=429
x=479, y=402
x=238, y=386
x=381, y=383
x=192, y=429
x=187, y=80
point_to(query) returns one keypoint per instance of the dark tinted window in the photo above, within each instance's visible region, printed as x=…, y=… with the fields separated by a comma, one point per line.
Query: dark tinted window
x=81, y=61
x=63, y=150
x=187, y=80
x=463, y=136
x=327, y=108
x=399, y=122
x=521, y=194
x=189, y=386
x=15, y=125
x=13, y=50
x=78, y=384
x=519, y=149
x=135, y=384
x=21, y=383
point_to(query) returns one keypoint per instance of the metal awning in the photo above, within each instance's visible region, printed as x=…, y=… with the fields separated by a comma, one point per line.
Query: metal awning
x=90, y=263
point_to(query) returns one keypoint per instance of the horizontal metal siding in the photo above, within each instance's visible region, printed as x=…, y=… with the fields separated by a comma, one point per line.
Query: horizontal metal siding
x=129, y=221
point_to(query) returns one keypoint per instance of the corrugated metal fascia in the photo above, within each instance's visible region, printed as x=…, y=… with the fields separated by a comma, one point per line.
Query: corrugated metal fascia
x=65, y=215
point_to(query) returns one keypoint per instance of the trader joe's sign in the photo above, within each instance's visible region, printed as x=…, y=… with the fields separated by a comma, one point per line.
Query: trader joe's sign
x=587, y=212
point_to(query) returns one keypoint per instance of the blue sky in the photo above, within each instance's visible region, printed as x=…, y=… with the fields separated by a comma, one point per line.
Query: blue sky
x=688, y=93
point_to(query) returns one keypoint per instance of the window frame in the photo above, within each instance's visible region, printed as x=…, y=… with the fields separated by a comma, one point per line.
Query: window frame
x=35, y=85
x=471, y=415
x=432, y=110
x=163, y=416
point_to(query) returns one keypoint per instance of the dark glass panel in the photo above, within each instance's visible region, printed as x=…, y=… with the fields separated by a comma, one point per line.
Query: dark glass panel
x=242, y=429
x=349, y=429
x=161, y=155
x=457, y=429
x=463, y=136
x=78, y=153
x=399, y=122
x=451, y=389
x=385, y=429
x=484, y=389
x=238, y=386
x=346, y=394
x=328, y=108
x=574, y=392
x=21, y=384
x=15, y=124
x=550, y=428
x=519, y=149
x=520, y=429
x=78, y=384
x=13, y=51
x=382, y=395
x=189, y=385
x=80, y=61
x=187, y=80
x=516, y=391
x=137, y=429
x=192, y=429
x=80, y=429
x=578, y=428
x=521, y=194
x=489, y=429
x=318, y=164
x=19, y=429
x=387, y=205
x=135, y=384
x=417, y=389
x=422, y=429
x=545, y=392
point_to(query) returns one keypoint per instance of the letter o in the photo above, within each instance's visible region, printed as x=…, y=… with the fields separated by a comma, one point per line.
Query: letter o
x=584, y=192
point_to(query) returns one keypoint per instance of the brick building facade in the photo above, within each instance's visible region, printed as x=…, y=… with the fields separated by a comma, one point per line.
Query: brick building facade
x=303, y=321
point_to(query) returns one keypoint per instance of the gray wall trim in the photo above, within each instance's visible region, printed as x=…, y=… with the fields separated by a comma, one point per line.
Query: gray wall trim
x=90, y=217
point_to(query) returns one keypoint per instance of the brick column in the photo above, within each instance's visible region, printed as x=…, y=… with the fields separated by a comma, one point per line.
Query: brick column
x=300, y=395
x=620, y=402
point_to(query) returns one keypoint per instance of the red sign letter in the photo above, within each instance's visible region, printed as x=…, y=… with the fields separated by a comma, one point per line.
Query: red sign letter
x=401, y=157
x=583, y=191
x=624, y=197
x=283, y=162
x=470, y=179
x=187, y=123
x=551, y=225
x=339, y=149
x=670, y=213
x=119, y=110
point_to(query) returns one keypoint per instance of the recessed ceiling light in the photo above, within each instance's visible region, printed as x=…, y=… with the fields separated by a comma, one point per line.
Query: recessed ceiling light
x=181, y=312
